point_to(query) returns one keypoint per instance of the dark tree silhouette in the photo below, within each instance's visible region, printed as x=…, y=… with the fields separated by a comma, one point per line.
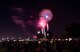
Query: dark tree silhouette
x=50, y=34
x=73, y=30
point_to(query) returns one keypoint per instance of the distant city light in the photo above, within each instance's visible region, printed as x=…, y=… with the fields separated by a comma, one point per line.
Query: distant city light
x=19, y=37
x=7, y=38
x=39, y=42
x=20, y=40
x=3, y=38
x=59, y=39
x=47, y=34
x=76, y=38
x=38, y=32
x=14, y=40
x=70, y=39
x=51, y=41
x=55, y=39
x=66, y=39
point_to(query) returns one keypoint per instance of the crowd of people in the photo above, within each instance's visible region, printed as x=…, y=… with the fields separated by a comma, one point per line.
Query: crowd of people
x=40, y=46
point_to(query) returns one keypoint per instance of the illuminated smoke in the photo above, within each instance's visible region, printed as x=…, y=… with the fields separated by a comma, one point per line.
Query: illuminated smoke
x=46, y=14
x=21, y=24
x=18, y=20
x=17, y=10
x=25, y=23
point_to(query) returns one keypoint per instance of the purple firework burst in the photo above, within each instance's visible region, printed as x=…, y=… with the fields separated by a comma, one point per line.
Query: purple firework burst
x=46, y=14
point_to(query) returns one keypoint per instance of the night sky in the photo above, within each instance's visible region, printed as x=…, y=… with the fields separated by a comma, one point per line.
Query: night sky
x=64, y=12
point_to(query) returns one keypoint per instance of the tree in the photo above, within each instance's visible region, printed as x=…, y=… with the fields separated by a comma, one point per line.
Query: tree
x=73, y=30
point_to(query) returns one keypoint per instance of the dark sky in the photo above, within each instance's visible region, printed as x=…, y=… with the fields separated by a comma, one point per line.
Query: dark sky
x=64, y=13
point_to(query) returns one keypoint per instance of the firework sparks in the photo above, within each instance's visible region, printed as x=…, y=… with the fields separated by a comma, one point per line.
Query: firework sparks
x=42, y=22
x=46, y=14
